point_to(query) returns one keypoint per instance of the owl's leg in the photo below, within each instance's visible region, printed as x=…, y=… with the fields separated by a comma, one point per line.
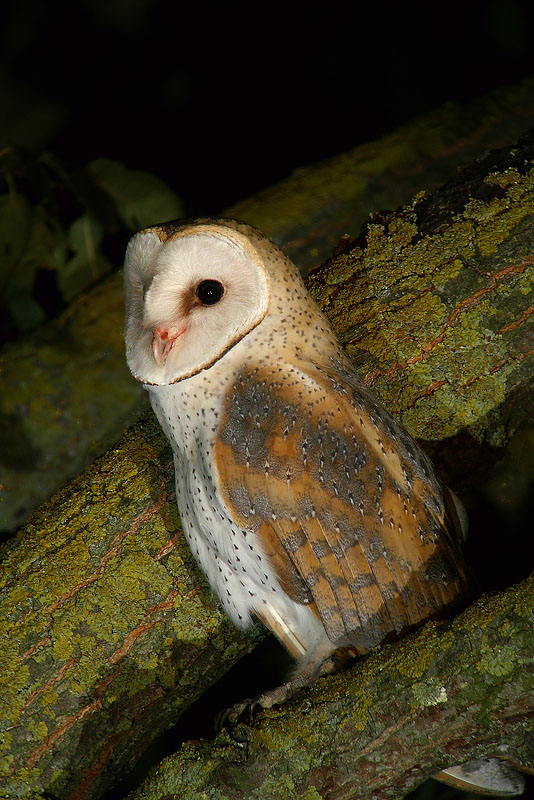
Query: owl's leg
x=321, y=661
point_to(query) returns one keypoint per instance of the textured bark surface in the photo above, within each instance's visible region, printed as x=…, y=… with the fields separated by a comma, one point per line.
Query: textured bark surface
x=434, y=302
x=442, y=696
x=110, y=630
x=67, y=394
x=54, y=422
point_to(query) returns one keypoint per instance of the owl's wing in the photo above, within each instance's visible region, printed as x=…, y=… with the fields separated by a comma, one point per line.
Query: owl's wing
x=346, y=505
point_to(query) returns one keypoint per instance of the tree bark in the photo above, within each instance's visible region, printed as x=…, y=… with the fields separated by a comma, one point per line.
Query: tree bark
x=434, y=302
x=443, y=696
x=109, y=629
x=308, y=212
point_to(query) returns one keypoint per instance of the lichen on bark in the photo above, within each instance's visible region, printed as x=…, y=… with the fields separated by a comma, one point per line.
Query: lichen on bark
x=434, y=301
x=421, y=699
x=110, y=629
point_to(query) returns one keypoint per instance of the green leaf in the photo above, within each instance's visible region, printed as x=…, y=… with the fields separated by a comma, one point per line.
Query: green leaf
x=141, y=199
x=87, y=263
x=15, y=224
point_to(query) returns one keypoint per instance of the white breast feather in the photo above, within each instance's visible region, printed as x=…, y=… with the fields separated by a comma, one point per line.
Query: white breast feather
x=232, y=558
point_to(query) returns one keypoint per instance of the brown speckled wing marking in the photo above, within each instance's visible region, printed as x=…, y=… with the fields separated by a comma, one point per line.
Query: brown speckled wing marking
x=347, y=507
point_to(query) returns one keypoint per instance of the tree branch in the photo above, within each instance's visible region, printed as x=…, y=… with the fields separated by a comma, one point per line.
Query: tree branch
x=110, y=632
x=447, y=694
x=434, y=302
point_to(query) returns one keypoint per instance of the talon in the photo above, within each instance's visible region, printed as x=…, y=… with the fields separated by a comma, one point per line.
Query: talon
x=229, y=716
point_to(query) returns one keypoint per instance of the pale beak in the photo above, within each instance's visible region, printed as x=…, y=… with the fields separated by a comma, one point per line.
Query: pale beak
x=163, y=340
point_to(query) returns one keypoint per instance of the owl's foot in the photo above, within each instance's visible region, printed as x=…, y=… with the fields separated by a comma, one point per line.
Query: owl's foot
x=306, y=674
x=230, y=716
x=322, y=662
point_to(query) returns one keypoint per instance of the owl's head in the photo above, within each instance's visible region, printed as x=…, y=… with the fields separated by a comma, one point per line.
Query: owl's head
x=192, y=292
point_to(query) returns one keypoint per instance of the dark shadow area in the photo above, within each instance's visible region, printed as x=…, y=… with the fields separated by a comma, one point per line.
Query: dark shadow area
x=496, y=486
x=220, y=102
x=265, y=667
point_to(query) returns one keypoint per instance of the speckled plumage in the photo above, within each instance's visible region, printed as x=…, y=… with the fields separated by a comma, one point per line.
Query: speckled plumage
x=304, y=501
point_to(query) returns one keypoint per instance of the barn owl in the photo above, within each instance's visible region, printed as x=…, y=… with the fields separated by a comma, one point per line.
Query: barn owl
x=305, y=503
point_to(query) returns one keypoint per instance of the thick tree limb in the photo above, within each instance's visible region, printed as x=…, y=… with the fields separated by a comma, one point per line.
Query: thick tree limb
x=434, y=302
x=109, y=631
x=308, y=212
x=442, y=696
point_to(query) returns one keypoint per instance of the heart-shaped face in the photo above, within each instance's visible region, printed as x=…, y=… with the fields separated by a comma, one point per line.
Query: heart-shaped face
x=190, y=297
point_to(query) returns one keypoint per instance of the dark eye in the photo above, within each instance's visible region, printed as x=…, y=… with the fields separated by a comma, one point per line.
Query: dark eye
x=209, y=292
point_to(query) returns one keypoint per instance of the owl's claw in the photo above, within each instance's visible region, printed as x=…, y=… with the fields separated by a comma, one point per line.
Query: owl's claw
x=230, y=716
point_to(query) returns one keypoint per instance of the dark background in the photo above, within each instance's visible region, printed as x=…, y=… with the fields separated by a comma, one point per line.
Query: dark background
x=221, y=100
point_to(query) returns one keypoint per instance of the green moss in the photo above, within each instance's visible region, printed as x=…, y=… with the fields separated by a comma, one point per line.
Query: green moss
x=509, y=177
x=523, y=598
x=38, y=728
x=519, y=598
x=499, y=661
x=24, y=786
x=16, y=678
x=273, y=788
x=311, y=793
x=360, y=715
x=503, y=214
x=414, y=654
x=430, y=323
x=429, y=693
x=59, y=779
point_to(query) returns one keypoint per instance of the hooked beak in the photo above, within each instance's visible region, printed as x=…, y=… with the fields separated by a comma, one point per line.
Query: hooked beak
x=163, y=340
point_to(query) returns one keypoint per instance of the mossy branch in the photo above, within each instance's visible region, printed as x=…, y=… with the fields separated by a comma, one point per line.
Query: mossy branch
x=110, y=631
x=447, y=694
x=434, y=302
